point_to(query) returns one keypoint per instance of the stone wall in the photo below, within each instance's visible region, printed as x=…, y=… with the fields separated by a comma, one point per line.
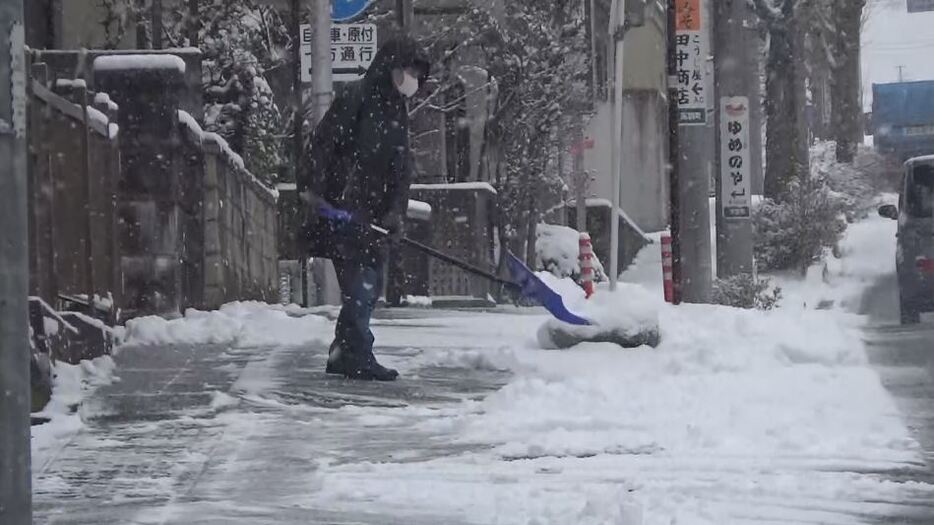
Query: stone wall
x=74, y=168
x=170, y=219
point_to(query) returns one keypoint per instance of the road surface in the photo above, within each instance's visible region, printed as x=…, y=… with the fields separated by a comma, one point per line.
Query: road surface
x=904, y=357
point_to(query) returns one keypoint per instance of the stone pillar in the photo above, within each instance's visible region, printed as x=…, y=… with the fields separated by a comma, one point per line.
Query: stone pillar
x=148, y=88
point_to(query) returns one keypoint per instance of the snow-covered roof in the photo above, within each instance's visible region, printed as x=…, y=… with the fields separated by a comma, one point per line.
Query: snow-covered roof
x=475, y=186
x=152, y=61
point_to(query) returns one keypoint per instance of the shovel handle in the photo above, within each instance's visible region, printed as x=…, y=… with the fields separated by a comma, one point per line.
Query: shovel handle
x=467, y=267
x=459, y=263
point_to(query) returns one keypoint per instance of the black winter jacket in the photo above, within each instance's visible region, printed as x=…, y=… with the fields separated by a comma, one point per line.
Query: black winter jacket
x=359, y=159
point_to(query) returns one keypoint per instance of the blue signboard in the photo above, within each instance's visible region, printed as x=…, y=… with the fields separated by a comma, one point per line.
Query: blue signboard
x=342, y=10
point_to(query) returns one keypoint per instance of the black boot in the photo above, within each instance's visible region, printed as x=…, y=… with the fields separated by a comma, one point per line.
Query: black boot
x=342, y=362
x=374, y=371
x=336, y=357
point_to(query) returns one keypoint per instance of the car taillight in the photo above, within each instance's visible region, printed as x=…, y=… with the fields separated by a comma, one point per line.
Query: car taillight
x=925, y=265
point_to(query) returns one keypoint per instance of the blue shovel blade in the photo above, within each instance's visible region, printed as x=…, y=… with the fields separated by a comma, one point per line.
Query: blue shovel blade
x=535, y=289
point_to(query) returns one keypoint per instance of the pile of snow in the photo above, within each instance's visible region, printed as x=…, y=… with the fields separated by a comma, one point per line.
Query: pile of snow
x=558, y=251
x=71, y=385
x=738, y=415
x=417, y=301
x=630, y=313
x=241, y=325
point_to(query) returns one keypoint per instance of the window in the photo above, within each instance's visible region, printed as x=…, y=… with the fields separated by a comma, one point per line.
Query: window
x=920, y=191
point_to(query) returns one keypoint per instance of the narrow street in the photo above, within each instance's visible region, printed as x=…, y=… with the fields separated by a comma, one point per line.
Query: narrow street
x=904, y=358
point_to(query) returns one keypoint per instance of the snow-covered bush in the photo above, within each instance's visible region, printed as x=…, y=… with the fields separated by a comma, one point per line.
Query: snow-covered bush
x=557, y=251
x=746, y=291
x=854, y=185
x=242, y=42
x=793, y=234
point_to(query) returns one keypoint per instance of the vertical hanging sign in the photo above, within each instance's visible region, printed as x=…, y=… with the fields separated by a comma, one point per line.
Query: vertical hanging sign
x=736, y=199
x=18, y=80
x=691, y=55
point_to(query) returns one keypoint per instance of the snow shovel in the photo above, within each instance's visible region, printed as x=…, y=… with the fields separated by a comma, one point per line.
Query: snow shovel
x=524, y=280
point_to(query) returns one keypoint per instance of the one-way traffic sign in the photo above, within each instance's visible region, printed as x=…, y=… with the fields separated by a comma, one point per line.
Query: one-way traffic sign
x=353, y=48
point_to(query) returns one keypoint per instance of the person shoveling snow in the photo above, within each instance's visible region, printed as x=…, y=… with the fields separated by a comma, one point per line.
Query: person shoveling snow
x=361, y=161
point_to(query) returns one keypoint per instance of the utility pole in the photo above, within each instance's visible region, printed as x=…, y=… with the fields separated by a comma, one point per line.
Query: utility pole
x=298, y=135
x=322, y=89
x=15, y=470
x=901, y=73
x=674, y=147
x=690, y=85
x=405, y=12
x=734, y=187
x=618, y=32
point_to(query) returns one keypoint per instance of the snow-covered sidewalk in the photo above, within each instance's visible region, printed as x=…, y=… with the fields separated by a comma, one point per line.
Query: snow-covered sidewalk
x=738, y=416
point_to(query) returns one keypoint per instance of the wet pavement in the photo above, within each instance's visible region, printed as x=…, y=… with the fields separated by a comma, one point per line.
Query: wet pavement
x=904, y=358
x=211, y=434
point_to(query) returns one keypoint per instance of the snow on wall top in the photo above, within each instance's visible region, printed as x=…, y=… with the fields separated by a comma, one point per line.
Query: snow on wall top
x=121, y=62
x=103, y=99
x=74, y=83
x=187, y=120
x=476, y=186
x=622, y=213
x=419, y=208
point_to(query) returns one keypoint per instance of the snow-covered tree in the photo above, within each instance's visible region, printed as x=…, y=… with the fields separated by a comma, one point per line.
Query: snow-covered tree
x=785, y=22
x=802, y=35
x=240, y=41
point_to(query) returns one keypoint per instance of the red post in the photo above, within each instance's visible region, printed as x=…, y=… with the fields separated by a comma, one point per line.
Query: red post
x=586, y=262
x=667, y=265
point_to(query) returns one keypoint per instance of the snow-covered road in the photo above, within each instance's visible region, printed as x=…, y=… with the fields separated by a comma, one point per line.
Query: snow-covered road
x=738, y=416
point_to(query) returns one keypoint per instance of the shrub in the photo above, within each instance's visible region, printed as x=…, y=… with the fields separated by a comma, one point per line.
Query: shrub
x=793, y=234
x=746, y=291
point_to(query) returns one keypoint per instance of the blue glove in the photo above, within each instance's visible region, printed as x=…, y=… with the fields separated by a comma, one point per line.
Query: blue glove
x=335, y=214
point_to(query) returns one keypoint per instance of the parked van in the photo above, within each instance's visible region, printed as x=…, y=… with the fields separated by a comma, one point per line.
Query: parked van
x=915, y=253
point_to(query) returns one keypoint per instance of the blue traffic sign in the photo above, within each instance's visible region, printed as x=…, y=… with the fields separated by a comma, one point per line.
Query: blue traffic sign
x=342, y=10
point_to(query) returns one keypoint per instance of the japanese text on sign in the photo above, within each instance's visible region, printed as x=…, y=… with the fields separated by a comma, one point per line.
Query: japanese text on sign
x=691, y=56
x=353, y=48
x=736, y=198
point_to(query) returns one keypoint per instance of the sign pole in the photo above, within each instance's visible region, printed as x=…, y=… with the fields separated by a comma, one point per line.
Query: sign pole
x=298, y=134
x=15, y=469
x=690, y=188
x=616, y=142
x=322, y=83
x=734, y=173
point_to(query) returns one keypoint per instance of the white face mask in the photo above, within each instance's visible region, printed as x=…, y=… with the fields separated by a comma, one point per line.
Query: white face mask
x=409, y=85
